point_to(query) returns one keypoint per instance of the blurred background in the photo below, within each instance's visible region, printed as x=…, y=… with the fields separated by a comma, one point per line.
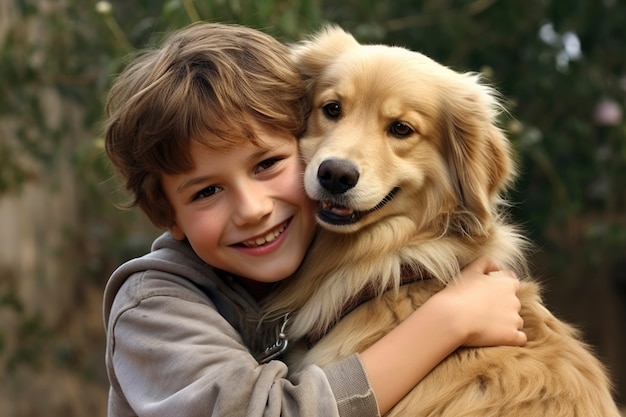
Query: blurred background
x=559, y=64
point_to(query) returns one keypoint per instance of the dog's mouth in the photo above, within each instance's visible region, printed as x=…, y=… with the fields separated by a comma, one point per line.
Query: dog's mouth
x=339, y=215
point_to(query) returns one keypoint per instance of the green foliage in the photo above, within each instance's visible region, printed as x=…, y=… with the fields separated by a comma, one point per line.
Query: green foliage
x=30, y=334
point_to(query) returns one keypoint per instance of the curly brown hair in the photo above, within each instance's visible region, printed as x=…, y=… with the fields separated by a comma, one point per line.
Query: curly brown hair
x=217, y=79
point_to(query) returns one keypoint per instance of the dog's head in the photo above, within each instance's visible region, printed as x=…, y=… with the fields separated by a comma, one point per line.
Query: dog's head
x=393, y=133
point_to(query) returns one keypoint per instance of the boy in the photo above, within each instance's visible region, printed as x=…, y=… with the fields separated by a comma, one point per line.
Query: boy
x=203, y=131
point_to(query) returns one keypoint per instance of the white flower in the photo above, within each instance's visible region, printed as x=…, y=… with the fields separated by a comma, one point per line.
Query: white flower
x=608, y=113
x=103, y=7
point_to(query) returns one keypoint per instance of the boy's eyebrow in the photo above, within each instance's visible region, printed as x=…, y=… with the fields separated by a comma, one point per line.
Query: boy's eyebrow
x=192, y=182
x=258, y=154
x=204, y=178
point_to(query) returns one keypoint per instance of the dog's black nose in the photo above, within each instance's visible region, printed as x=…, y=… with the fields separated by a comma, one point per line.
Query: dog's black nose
x=337, y=175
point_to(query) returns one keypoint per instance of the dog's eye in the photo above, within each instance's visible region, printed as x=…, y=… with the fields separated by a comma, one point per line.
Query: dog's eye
x=400, y=130
x=332, y=110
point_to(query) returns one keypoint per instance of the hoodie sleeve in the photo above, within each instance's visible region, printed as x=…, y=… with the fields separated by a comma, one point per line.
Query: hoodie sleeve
x=170, y=353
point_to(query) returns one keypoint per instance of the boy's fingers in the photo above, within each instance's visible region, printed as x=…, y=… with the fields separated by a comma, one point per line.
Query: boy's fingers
x=504, y=273
x=507, y=274
x=485, y=265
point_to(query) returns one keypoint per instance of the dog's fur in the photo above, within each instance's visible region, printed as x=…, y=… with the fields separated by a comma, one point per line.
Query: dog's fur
x=391, y=119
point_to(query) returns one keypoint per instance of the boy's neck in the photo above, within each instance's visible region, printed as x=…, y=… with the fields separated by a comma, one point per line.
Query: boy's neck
x=258, y=290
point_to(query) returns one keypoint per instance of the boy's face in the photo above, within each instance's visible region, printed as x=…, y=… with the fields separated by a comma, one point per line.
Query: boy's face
x=245, y=210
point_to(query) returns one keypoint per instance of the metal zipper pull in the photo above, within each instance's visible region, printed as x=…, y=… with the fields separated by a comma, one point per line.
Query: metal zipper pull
x=278, y=347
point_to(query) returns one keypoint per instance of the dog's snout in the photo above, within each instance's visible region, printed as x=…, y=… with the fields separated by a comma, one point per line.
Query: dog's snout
x=337, y=175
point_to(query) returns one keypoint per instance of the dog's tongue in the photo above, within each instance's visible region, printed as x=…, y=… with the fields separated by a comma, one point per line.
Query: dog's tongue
x=337, y=209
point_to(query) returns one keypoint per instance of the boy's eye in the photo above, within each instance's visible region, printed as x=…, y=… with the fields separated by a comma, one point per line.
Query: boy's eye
x=206, y=192
x=267, y=163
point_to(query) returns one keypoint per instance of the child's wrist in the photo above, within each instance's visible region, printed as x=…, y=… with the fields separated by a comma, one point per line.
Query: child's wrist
x=446, y=310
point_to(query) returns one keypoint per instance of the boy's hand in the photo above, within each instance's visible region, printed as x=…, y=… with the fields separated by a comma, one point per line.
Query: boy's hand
x=483, y=303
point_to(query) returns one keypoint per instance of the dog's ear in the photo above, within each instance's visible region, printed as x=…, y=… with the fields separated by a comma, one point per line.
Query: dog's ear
x=313, y=55
x=478, y=153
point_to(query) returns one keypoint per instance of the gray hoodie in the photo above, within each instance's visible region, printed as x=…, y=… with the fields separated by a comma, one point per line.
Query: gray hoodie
x=175, y=348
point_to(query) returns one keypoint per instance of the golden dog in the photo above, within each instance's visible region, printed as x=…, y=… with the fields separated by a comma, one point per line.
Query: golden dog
x=409, y=167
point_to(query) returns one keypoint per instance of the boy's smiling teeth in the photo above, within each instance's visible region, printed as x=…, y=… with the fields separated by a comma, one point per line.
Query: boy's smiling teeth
x=269, y=237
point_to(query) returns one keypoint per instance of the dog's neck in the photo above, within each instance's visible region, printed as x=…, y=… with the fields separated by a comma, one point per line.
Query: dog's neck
x=408, y=275
x=325, y=283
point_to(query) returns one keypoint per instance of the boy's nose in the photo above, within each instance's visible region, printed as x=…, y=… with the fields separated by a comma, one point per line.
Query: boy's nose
x=251, y=207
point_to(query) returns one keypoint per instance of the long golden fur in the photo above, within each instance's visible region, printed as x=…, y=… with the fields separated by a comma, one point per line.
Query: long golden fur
x=415, y=181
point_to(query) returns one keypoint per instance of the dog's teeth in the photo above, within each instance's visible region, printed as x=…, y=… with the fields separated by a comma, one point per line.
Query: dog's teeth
x=337, y=209
x=342, y=211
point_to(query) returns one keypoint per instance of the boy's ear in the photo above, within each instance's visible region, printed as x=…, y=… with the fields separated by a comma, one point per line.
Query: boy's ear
x=177, y=232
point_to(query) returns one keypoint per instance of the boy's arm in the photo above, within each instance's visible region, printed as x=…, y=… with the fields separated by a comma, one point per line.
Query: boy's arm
x=480, y=309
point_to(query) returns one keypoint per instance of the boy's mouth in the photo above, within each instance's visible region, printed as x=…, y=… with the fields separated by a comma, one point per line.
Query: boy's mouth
x=267, y=238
